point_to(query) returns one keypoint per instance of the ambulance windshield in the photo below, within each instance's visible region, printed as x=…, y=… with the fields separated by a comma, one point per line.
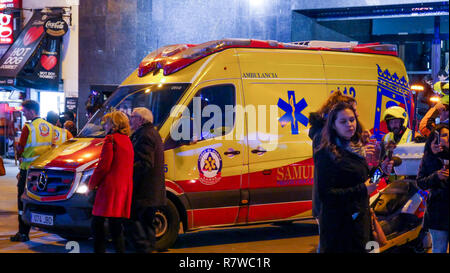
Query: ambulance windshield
x=159, y=98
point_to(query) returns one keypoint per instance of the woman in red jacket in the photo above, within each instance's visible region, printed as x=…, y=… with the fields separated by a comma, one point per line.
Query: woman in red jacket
x=113, y=179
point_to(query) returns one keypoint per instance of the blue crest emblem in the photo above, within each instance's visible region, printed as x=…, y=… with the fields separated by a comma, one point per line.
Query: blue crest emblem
x=394, y=88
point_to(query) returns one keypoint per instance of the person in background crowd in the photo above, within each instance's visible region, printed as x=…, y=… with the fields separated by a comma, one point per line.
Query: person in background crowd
x=343, y=183
x=148, y=177
x=317, y=121
x=433, y=176
x=442, y=79
x=93, y=103
x=439, y=86
x=423, y=97
x=35, y=140
x=365, y=137
x=442, y=75
x=2, y=167
x=7, y=132
x=397, y=121
x=60, y=135
x=70, y=126
x=113, y=180
x=69, y=115
x=440, y=110
x=53, y=118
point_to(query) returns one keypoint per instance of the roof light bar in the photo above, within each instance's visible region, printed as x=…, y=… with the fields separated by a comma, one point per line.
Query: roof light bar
x=327, y=44
x=173, y=58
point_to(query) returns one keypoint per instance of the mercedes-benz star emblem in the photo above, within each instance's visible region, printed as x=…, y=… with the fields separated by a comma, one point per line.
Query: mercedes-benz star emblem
x=42, y=181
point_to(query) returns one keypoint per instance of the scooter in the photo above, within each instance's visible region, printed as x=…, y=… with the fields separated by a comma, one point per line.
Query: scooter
x=400, y=205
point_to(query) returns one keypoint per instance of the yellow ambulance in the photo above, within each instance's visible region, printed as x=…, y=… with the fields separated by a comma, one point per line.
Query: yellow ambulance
x=233, y=115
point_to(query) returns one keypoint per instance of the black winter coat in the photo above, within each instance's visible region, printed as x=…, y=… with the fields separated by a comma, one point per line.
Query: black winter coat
x=437, y=213
x=317, y=123
x=149, y=188
x=345, y=217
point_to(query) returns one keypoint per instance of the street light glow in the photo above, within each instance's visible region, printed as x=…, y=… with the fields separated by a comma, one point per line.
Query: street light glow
x=435, y=99
x=417, y=87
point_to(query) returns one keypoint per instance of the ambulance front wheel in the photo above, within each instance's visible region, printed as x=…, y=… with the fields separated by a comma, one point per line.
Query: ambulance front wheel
x=167, y=223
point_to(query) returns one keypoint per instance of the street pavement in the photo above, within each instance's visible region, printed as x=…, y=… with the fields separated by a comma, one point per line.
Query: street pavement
x=297, y=237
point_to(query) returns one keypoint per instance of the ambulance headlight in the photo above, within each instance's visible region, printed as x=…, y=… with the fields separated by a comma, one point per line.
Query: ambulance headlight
x=85, y=177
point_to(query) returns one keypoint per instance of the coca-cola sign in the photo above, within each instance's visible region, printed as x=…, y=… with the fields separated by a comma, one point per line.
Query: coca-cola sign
x=56, y=27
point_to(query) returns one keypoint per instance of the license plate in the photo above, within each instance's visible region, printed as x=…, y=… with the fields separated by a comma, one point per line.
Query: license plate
x=42, y=219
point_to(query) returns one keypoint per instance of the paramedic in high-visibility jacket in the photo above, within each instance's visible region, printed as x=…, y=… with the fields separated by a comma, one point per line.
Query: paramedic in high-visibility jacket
x=60, y=135
x=35, y=140
x=397, y=120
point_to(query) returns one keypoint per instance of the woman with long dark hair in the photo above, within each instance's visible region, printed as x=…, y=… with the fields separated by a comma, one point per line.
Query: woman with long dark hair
x=317, y=121
x=343, y=183
x=433, y=176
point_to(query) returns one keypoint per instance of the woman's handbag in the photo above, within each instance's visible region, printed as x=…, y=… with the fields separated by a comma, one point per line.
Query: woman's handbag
x=2, y=167
x=377, y=231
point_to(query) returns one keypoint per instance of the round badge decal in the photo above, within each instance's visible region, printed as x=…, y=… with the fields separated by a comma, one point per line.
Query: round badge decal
x=56, y=136
x=210, y=166
x=44, y=130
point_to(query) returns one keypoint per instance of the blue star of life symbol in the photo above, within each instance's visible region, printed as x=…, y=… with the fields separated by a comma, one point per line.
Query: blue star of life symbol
x=293, y=112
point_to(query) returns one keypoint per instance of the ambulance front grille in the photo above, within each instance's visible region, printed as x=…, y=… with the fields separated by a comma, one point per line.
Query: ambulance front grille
x=49, y=182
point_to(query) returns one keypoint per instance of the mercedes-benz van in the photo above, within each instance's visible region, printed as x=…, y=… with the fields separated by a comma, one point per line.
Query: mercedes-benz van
x=233, y=115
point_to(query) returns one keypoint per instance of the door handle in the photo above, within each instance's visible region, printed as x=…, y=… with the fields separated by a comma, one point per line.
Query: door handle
x=256, y=151
x=231, y=152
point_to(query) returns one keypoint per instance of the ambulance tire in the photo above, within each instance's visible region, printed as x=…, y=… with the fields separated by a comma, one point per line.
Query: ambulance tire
x=169, y=219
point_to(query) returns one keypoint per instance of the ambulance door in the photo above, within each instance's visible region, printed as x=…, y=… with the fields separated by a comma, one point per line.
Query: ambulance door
x=283, y=86
x=210, y=163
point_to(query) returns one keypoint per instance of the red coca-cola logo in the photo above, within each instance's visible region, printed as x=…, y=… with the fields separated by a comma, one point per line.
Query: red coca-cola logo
x=32, y=35
x=48, y=62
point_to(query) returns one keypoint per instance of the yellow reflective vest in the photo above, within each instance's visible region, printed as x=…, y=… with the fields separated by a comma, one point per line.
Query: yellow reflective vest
x=40, y=139
x=406, y=137
x=59, y=135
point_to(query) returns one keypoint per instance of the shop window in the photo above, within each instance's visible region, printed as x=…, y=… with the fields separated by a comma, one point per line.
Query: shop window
x=417, y=56
x=51, y=101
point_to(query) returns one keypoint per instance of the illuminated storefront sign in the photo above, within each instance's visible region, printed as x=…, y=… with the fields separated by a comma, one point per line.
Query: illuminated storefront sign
x=9, y=4
x=6, y=28
x=6, y=21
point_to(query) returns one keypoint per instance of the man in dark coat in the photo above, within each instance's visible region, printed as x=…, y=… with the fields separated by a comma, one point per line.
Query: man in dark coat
x=149, y=190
